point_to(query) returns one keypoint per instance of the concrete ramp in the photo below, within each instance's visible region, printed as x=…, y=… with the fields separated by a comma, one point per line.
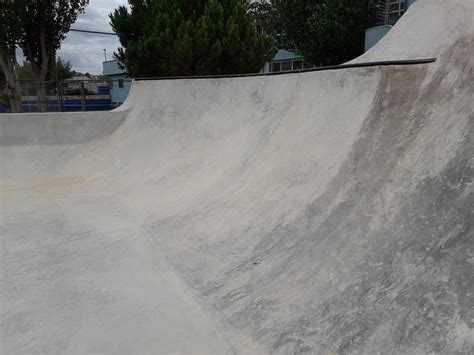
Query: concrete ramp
x=320, y=212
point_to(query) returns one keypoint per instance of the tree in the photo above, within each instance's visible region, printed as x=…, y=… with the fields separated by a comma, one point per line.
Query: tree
x=326, y=32
x=182, y=37
x=61, y=70
x=3, y=94
x=58, y=70
x=45, y=25
x=25, y=71
x=263, y=13
x=11, y=30
x=3, y=80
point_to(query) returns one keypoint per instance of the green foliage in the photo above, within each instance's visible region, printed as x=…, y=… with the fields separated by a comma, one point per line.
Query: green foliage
x=265, y=16
x=46, y=24
x=326, y=32
x=25, y=71
x=11, y=26
x=61, y=70
x=182, y=37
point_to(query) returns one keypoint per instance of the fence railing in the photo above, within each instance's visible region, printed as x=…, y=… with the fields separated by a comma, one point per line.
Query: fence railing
x=68, y=95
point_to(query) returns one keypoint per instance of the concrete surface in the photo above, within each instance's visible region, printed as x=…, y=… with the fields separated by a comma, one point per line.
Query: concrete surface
x=325, y=212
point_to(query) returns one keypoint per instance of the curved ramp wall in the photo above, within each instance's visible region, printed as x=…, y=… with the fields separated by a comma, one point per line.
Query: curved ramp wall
x=304, y=213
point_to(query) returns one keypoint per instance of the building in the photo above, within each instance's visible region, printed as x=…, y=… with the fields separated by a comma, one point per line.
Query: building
x=388, y=13
x=285, y=61
x=119, y=81
x=90, y=83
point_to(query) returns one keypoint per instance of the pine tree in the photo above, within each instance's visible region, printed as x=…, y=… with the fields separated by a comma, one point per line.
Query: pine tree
x=181, y=38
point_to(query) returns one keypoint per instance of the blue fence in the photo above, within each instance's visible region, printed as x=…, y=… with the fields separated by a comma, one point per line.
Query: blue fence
x=70, y=103
x=66, y=95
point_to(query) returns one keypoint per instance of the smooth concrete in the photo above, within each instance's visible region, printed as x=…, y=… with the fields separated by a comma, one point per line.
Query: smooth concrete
x=325, y=212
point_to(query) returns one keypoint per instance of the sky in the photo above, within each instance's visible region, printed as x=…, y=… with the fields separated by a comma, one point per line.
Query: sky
x=86, y=51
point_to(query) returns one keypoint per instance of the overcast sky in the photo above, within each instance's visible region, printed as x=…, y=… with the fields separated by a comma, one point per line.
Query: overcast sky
x=86, y=51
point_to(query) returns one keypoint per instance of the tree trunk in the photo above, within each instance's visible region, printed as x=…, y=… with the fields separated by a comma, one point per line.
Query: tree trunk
x=12, y=89
x=41, y=92
x=41, y=71
x=14, y=98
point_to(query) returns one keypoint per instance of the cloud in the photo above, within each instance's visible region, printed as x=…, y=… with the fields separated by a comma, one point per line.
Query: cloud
x=86, y=51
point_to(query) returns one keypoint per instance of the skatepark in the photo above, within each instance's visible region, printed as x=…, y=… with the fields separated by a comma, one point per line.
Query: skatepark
x=321, y=212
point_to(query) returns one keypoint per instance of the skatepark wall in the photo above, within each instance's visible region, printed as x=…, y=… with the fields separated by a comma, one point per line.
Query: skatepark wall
x=317, y=212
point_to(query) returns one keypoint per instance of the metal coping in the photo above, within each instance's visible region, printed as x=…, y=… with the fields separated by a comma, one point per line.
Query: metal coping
x=331, y=67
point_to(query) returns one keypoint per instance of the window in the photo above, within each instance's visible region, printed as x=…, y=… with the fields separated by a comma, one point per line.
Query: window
x=286, y=65
x=120, y=83
x=396, y=10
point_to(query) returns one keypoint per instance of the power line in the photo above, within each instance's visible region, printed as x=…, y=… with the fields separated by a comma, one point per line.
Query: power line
x=94, y=32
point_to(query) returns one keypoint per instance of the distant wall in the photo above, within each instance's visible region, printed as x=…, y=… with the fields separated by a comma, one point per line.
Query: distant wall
x=112, y=67
x=374, y=35
x=120, y=85
x=119, y=81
